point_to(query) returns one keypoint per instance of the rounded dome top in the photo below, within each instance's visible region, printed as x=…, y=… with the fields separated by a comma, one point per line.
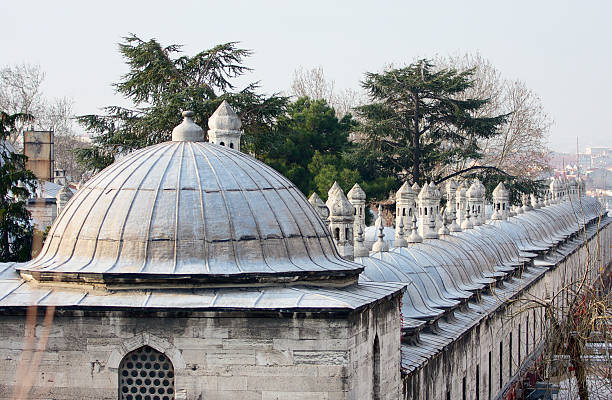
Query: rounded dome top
x=187, y=130
x=186, y=211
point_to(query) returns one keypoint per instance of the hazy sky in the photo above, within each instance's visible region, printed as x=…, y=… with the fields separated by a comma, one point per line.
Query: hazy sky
x=561, y=49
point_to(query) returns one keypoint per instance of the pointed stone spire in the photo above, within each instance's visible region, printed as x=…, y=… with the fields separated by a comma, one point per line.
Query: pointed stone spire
x=525, y=200
x=431, y=232
x=360, y=248
x=467, y=224
x=341, y=219
x=380, y=244
x=414, y=235
x=63, y=196
x=454, y=227
x=404, y=206
x=187, y=131
x=399, y=234
x=534, y=201
x=357, y=197
x=319, y=206
x=224, y=127
x=443, y=231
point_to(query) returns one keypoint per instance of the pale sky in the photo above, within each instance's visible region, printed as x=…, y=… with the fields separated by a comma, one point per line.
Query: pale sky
x=560, y=49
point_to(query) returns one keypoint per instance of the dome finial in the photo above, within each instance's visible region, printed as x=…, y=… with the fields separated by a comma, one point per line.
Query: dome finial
x=360, y=249
x=399, y=238
x=380, y=244
x=414, y=236
x=187, y=131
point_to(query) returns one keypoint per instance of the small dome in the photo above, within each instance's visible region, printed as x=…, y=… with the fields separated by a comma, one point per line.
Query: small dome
x=356, y=193
x=186, y=213
x=224, y=119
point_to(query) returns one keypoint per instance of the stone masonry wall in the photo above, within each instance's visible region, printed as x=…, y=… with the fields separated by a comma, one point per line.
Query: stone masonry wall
x=215, y=356
x=444, y=373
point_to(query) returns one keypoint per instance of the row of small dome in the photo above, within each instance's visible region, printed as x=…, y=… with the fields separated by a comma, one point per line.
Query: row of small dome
x=447, y=269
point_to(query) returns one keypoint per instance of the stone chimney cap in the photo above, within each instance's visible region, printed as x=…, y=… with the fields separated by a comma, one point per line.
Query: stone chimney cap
x=356, y=193
x=224, y=119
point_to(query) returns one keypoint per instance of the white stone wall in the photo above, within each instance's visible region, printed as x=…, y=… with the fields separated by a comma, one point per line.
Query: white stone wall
x=215, y=356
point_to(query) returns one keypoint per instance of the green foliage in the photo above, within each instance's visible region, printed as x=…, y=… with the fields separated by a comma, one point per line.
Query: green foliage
x=161, y=83
x=416, y=125
x=16, y=185
x=308, y=147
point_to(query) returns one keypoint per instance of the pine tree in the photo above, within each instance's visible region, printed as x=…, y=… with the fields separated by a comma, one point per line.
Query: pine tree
x=416, y=123
x=161, y=83
x=16, y=185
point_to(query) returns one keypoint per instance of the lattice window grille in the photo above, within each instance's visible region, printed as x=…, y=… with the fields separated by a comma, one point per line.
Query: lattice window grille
x=146, y=374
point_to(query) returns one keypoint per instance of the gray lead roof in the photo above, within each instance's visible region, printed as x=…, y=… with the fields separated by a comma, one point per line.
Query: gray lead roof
x=190, y=209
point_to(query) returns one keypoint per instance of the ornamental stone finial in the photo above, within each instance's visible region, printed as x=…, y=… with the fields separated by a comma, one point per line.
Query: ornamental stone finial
x=399, y=237
x=187, y=131
x=414, y=236
x=380, y=244
x=360, y=248
x=454, y=227
x=443, y=231
x=467, y=224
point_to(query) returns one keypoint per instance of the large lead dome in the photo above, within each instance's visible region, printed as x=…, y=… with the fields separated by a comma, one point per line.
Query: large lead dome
x=189, y=211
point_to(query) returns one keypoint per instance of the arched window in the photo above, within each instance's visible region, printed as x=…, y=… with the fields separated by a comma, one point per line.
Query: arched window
x=410, y=212
x=146, y=374
x=376, y=370
x=337, y=233
x=425, y=210
x=403, y=212
x=222, y=143
x=347, y=234
x=231, y=145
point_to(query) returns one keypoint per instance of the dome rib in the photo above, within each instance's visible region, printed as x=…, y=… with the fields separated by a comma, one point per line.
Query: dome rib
x=257, y=226
x=98, y=179
x=312, y=218
x=147, y=241
x=202, y=208
x=276, y=217
x=127, y=214
x=146, y=220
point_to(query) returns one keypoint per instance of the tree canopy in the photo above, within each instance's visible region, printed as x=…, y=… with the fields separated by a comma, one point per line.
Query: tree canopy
x=162, y=82
x=309, y=144
x=417, y=122
x=16, y=185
